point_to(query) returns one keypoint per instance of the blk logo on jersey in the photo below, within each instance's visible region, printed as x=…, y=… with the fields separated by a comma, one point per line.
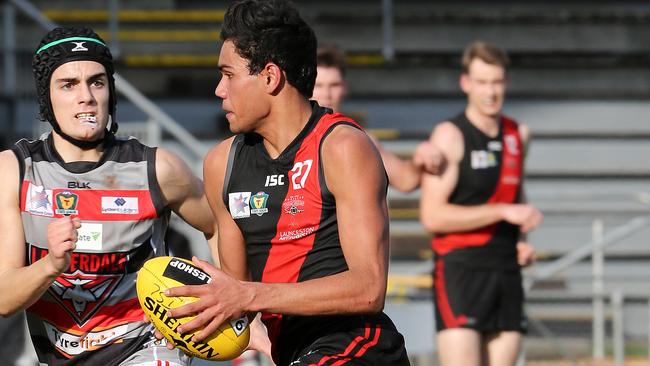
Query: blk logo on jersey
x=81, y=295
x=79, y=185
x=238, y=204
x=66, y=203
x=39, y=201
x=258, y=203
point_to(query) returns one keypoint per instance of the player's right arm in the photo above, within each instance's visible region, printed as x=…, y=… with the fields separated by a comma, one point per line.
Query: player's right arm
x=231, y=244
x=232, y=247
x=438, y=215
x=26, y=284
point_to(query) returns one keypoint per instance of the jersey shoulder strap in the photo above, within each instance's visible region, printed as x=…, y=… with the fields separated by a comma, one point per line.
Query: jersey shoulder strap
x=236, y=143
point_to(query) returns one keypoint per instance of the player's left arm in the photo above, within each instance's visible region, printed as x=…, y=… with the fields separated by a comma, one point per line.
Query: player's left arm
x=354, y=174
x=525, y=251
x=184, y=194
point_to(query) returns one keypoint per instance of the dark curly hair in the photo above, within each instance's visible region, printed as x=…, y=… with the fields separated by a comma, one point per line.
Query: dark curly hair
x=66, y=44
x=272, y=31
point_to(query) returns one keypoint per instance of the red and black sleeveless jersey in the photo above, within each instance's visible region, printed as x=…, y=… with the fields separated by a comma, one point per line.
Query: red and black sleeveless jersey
x=288, y=219
x=490, y=172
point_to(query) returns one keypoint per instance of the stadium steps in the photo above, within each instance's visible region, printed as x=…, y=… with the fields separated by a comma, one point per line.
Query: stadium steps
x=571, y=55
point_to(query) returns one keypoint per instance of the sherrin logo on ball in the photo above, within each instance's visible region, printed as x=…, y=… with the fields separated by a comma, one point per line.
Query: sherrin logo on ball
x=160, y=273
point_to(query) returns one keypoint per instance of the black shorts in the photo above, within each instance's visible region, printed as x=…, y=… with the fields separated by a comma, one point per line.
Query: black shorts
x=486, y=300
x=374, y=342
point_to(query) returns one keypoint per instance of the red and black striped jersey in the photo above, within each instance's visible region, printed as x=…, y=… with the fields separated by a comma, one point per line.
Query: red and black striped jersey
x=287, y=217
x=489, y=172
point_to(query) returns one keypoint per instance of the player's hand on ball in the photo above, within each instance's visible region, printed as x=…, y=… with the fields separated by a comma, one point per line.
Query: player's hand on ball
x=62, y=241
x=156, y=332
x=259, y=340
x=160, y=274
x=222, y=299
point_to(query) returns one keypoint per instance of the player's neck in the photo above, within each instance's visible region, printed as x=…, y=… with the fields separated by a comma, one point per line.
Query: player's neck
x=285, y=121
x=70, y=153
x=487, y=123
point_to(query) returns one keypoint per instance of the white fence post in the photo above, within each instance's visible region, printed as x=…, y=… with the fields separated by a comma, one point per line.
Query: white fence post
x=618, y=335
x=597, y=266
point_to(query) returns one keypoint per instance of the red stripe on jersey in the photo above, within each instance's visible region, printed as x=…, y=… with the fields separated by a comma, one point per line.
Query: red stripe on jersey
x=442, y=301
x=94, y=204
x=505, y=192
x=108, y=316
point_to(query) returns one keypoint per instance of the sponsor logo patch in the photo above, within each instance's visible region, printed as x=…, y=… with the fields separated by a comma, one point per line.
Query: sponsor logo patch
x=120, y=205
x=511, y=144
x=39, y=201
x=238, y=204
x=72, y=344
x=293, y=205
x=89, y=236
x=296, y=234
x=482, y=159
x=66, y=203
x=258, y=203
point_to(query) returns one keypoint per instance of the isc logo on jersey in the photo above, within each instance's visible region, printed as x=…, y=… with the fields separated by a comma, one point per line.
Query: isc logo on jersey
x=161, y=273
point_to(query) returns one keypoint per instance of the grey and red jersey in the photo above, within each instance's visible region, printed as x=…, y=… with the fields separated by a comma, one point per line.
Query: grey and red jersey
x=90, y=314
x=288, y=220
x=490, y=172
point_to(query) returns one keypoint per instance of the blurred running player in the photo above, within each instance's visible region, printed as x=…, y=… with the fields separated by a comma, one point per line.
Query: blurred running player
x=477, y=213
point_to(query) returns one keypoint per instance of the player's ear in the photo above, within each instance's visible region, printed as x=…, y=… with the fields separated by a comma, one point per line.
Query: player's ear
x=464, y=82
x=273, y=77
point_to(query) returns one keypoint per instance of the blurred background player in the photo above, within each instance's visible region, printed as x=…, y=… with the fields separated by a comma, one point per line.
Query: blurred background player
x=287, y=192
x=330, y=90
x=82, y=210
x=478, y=215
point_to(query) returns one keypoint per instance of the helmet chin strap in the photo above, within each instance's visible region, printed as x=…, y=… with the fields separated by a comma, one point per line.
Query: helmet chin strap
x=83, y=144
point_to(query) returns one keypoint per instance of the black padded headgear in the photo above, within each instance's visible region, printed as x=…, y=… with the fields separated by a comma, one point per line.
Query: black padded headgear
x=66, y=44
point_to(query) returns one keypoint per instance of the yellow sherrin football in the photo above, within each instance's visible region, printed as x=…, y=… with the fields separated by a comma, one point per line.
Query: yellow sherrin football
x=161, y=273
